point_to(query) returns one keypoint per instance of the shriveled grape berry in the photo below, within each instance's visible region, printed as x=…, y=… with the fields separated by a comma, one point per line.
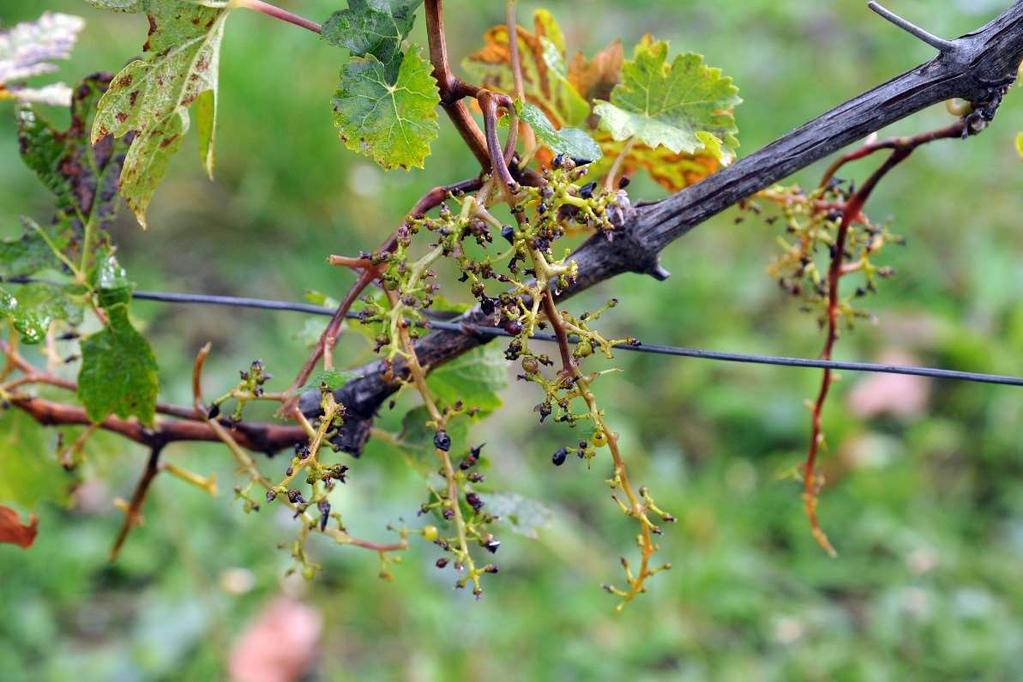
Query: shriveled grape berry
x=474, y=501
x=470, y=460
x=324, y=508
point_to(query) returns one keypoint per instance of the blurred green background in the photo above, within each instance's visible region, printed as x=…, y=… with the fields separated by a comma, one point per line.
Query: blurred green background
x=924, y=501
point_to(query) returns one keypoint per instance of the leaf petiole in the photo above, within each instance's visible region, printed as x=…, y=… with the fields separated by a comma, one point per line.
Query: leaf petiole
x=275, y=12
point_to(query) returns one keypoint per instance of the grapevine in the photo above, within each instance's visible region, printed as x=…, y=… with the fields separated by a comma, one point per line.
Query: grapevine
x=558, y=142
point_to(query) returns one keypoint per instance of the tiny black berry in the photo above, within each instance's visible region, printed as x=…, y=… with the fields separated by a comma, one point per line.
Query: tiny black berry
x=442, y=441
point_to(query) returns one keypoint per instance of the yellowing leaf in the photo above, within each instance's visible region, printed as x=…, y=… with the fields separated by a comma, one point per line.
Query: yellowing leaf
x=391, y=119
x=685, y=106
x=669, y=170
x=544, y=73
x=151, y=95
x=14, y=532
x=596, y=78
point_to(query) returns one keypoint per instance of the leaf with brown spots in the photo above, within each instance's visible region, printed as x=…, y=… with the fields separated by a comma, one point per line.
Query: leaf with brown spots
x=152, y=95
x=14, y=532
x=82, y=176
x=544, y=71
x=83, y=179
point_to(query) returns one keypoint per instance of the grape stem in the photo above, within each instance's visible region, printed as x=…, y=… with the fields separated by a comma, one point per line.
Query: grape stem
x=435, y=197
x=133, y=513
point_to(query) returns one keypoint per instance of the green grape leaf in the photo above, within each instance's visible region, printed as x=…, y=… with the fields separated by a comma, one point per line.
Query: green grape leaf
x=544, y=70
x=121, y=5
x=417, y=437
x=372, y=27
x=333, y=378
x=391, y=120
x=27, y=254
x=151, y=96
x=119, y=374
x=29, y=471
x=112, y=284
x=319, y=298
x=33, y=308
x=522, y=515
x=685, y=106
x=571, y=142
x=475, y=378
x=27, y=49
x=82, y=176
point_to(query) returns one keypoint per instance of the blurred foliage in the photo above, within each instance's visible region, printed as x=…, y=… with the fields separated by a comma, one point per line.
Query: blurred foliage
x=926, y=511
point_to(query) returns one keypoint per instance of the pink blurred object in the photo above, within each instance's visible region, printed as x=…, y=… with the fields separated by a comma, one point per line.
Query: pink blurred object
x=905, y=397
x=279, y=645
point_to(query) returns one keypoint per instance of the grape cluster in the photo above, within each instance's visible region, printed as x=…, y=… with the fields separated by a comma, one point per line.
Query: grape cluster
x=811, y=223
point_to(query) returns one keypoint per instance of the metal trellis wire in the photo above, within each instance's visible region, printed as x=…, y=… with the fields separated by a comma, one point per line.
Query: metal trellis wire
x=675, y=351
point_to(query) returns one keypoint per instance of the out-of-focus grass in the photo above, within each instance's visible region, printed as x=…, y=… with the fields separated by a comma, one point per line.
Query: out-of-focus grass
x=927, y=513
